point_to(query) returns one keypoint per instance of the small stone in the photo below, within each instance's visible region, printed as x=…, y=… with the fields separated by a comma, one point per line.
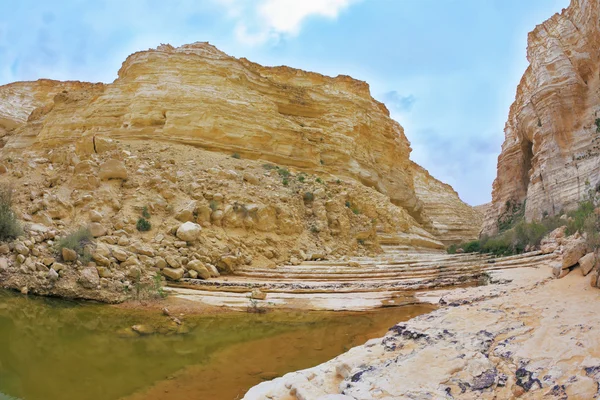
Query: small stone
x=89, y=278
x=193, y=274
x=68, y=255
x=103, y=272
x=173, y=261
x=58, y=267
x=160, y=263
x=120, y=254
x=52, y=274
x=143, y=329
x=258, y=294
x=594, y=279
x=21, y=249
x=24, y=290
x=95, y=216
x=21, y=258
x=4, y=249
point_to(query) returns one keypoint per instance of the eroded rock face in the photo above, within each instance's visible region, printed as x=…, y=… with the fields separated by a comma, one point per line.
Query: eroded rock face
x=551, y=152
x=196, y=94
x=452, y=220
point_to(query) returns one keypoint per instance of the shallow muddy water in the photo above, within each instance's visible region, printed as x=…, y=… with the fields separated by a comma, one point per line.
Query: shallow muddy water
x=61, y=350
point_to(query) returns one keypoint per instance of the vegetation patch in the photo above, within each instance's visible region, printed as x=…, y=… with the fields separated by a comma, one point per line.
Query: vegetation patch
x=143, y=225
x=77, y=241
x=9, y=226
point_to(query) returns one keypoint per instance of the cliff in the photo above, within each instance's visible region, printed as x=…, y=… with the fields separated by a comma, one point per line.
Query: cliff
x=197, y=95
x=551, y=153
x=453, y=220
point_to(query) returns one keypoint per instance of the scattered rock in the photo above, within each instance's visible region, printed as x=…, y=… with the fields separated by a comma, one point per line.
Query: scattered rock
x=89, y=278
x=173, y=274
x=573, y=249
x=189, y=231
x=113, y=169
x=143, y=330
x=258, y=294
x=199, y=268
x=97, y=230
x=68, y=255
x=587, y=262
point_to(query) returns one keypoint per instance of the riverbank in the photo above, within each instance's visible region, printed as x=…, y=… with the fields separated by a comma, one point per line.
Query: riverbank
x=532, y=337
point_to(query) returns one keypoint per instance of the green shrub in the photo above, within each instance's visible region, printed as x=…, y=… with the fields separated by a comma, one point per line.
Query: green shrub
x=269, y=167
x=597, y=122
x=301, y=178
x=285, y=181
x=348, y=204
x=77, y=241
x=143, y=225
x=577, y=217
x=355, y=210
x=319, y=180
x=9, y=226
x=452, y=249
x=472, y=247
x=283, y=172
x=236, y=156
x=145, y=212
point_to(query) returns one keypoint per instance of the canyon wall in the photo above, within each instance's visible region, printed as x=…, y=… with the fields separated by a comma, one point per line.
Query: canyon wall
x=550, y=157
x=197, y=95
x=453, y=220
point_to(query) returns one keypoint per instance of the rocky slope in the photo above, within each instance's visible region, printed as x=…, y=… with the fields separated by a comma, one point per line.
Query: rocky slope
x=267, y=165
x=551, y=154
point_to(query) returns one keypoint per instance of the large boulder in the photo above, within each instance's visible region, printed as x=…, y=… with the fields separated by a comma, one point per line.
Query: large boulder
x=89, y=278
x=189, y=231
x=173, y=274
x=200, y=268
x=113, y=169
x=587, y=263
x=573, y=249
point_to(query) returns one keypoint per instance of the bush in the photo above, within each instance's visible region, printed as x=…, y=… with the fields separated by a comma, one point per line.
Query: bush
x=145, y=213
x=308, y=197
x=143, y=225
x=236, y=156
x=76, y=241
x=285, y=181
x=301, y=178
x=319, y=180
x=9, y=226
x=355, y=210
x=283, y=172
x=597, y=122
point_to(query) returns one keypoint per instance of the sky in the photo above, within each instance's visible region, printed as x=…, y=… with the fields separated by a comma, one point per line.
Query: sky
x=446, y=69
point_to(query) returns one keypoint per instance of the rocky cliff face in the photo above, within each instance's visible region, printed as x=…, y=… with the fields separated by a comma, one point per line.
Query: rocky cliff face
x=453, y=220
x=551, y=154
x=18, y=100
x=197, y=95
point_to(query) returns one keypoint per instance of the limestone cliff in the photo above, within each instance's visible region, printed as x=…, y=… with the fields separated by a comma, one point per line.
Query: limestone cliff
x=551, y=154
x=197, y=95
x=19, y=99
x=453, y=220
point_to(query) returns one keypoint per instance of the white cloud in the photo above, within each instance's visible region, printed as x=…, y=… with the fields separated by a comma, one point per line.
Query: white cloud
x=260, y=21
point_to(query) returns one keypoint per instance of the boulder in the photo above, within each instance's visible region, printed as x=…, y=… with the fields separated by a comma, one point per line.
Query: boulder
x=587, y=262
x=173, y=274
x=68, y=255
x=160, y=263
x=97, y=230
x=189, y=231
x=200, y=268
x=113, y=169
x=214, y=272
x=594, y=279
x=573, y=249
x=120, y=254
x=95, y=216
x=21, y=249
x=52, y=275
x=89, y=278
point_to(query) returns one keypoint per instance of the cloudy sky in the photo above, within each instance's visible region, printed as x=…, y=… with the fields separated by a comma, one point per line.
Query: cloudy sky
x=446, y=69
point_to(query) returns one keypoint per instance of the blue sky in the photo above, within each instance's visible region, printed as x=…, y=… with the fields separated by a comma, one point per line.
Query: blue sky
x=446, y=69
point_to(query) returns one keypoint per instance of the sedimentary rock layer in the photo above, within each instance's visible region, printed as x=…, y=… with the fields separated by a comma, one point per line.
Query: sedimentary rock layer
x=197, y=95
x=551, y=154
x=453, y=220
